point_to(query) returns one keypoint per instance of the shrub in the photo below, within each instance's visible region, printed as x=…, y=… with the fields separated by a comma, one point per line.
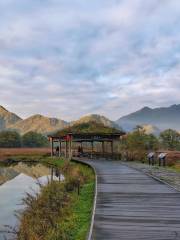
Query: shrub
x=10, y=139
x=33, y=139
x=43, y=212
x=57, y=212
x=136, y=145
x=170, y=139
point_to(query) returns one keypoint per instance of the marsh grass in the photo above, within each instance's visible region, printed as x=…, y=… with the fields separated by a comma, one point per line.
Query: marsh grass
x=59, y=210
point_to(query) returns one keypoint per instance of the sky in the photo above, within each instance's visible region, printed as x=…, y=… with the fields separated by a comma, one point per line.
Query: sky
x=68, y=58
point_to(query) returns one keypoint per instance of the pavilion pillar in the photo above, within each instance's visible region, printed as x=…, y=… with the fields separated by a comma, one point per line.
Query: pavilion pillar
x=52, y=147
x=112, y=148
x=66, y=149
x=103, y=150
x=59, y=148
x=70, y=150
x=92, y=148
x=52, y=172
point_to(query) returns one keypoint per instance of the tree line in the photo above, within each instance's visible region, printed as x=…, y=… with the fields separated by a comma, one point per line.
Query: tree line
x=135, y=145
x=12, y=139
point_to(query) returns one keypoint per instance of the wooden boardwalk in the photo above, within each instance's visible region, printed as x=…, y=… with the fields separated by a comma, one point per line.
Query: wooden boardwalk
x=131, y=205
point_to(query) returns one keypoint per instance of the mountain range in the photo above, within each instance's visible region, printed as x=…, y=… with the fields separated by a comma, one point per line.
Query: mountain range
x=152, y=120
x=96, y=118
x=162, y=118
x=41, y=124
x=37, y=123
x=7, y=118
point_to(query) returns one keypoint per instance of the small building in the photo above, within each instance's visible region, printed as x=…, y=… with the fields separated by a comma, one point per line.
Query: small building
x=84, y=133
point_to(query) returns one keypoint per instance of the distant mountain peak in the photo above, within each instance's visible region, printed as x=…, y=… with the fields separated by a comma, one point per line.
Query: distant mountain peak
x=146, y=108
x=7, y=118
x=162, y=118
x=3, y=109
x=37, y=116
x=176, y=106
x=96, y=118
x=39, y=123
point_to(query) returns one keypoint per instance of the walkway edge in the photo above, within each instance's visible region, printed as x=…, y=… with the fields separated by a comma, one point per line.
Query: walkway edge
x=152, y=176
x=89, y=236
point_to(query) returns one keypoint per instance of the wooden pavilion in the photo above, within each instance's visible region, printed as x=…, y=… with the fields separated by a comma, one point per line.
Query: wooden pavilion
x=69, y=139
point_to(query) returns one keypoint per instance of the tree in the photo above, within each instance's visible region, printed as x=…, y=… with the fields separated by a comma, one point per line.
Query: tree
x=33, y=139
x=10, y=139
x=170, y=139
x=152, y=142
x=136, y=145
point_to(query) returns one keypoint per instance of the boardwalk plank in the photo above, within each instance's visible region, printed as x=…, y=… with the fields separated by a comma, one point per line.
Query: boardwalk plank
x=133, y=206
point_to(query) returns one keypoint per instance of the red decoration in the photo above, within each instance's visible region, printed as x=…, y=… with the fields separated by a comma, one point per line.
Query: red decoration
x=68, y=138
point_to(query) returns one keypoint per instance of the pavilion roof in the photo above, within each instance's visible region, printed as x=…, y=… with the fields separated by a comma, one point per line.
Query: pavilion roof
x=88, y=131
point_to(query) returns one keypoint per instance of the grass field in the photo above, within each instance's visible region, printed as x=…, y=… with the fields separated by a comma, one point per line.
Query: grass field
x=12, y=152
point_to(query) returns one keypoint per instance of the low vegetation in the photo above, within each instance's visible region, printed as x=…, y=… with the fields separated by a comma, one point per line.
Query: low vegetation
x=170, y=139
x=23, y=153
x=135, y=145
x=33, y=139
x=12, y=139
x=62, y=210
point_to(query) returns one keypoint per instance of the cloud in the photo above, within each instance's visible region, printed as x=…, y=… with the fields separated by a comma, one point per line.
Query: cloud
x=69, y=58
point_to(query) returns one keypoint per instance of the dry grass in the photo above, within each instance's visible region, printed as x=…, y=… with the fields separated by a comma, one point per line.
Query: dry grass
x=173, y=158
x=11, y=152
x=60, y=211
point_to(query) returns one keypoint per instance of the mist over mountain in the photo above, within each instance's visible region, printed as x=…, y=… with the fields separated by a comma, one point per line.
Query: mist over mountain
x=152, y=120
x=46, y=125
x=162, y=118
x=40, y=124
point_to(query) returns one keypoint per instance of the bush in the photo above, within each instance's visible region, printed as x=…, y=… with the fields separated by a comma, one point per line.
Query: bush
x=170, y=139
x=44, y=212
x=10, y=139
x=58, y=212
x=136, y=145
x=33, y=139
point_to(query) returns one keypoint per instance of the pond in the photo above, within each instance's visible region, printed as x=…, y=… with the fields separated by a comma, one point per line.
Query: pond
x=16, y=180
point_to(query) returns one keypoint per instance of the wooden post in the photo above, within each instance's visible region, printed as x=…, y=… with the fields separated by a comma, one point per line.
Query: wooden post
x=71, y=148
x=52, y=174
x=59, y=148
x=52, y=147
x=66, y=149
x=92, y=148
x=112, y=148
x=103, y=148
x=69, y=152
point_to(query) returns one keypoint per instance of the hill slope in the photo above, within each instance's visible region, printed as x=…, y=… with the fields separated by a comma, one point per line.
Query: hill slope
x=40, y=124
x=7, y=118
x=162, y=118
x=98, y=119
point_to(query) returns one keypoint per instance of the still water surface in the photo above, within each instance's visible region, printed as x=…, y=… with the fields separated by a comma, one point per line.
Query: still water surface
x=16, y=181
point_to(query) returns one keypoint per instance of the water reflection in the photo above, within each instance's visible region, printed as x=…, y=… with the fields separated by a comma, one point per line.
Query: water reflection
x=17, y=180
